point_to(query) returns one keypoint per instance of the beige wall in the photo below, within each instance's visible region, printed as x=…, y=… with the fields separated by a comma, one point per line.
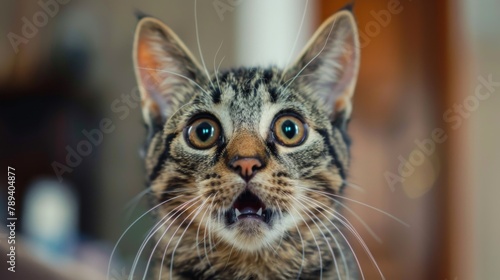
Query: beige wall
x=483, y=23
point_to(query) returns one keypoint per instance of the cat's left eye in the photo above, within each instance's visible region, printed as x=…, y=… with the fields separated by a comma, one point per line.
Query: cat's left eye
x=203, y=133
x=289, y=130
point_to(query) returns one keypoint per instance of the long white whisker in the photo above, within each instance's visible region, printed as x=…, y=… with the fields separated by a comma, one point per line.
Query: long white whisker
x=207, y=224
x=302, y=241
x=313, y=201
x=364, y=204
x=351, y=228
x=216, y=70
x=173, y=235
x=355, y=186
x=298, y=35
x=229, y=257
x=151, y=233
x=135, y=200
x=312, y=59
x=130, y=226
x=198, y=233
x=182, y=235
x=198, y=42
x=324, y=237
x=315, y=241
x=177, y=74
x=365, y=225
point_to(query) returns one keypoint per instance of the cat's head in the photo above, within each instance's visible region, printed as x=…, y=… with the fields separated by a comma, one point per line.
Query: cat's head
x=247, y=153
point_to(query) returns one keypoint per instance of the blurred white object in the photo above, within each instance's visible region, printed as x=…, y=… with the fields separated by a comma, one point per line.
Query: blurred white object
x=272, y=32
x=50, y=220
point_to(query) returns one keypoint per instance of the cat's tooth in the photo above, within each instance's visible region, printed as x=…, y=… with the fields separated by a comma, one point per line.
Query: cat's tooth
x=238, y=213
x=259, y=212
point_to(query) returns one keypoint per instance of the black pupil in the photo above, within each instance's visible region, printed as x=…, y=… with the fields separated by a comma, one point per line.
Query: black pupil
x=290, y=129
x=204, y=131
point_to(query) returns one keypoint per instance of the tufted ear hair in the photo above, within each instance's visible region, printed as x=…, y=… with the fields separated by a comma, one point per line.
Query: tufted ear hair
x=165, y=69
x=329, y=64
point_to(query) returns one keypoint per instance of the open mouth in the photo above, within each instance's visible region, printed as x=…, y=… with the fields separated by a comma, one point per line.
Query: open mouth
x=248, y=206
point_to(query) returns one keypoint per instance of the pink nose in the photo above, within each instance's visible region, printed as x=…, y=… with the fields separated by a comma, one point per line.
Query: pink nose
x=246, y=167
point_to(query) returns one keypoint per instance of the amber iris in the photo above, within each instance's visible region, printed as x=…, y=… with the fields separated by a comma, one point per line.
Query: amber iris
x=289, y=130
x=203, y=133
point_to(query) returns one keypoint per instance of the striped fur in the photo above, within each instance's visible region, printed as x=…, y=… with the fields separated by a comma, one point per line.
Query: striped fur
x=302, y=240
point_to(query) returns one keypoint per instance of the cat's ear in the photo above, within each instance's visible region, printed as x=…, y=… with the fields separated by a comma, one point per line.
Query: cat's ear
x=328, y=65
x=165, y=69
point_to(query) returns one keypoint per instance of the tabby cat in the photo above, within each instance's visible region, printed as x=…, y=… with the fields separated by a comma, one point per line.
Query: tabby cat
x=246, y=165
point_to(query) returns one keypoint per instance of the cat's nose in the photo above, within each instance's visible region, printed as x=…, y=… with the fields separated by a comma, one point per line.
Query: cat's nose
x=246, y=167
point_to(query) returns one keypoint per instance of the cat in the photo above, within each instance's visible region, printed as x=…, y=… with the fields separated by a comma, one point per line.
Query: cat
x=247, y=165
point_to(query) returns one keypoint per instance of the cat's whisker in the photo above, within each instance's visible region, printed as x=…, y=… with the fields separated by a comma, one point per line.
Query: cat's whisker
x=152, y=232
x=355, y=186
x=342, y=255
x=156, y=228
x=229, y=256
x=182, y=235
x=297, y=37
x=207, y=225
x=315, y=241
x=280, y=213
x=346, y=224
x=363, y=244
x=220, y=63
x=130, y=226
x=302, y=242
x=174, y=235
x=132, y=204
x=199, y=44
x=216, y=70
x=361, y=203
x=292, y=78
x=365, y=225
x=313, y=201
x=351, y=228
x=321, y=231
x=313, y=58
x=177, y=74
x=198, y=231
x=210, y=232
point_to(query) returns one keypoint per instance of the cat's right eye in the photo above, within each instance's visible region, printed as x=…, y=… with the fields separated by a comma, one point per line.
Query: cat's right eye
x=203, y=133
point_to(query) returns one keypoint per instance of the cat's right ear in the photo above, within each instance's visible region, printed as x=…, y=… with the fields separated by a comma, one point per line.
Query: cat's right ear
x=328, y=66
x=165, y=69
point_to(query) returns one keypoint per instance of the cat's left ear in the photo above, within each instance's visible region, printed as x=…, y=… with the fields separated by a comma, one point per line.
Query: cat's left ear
x=166, y=71
x=328, y=66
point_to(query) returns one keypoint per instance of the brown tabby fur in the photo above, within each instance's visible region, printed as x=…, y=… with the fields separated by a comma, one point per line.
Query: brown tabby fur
x=300, y=184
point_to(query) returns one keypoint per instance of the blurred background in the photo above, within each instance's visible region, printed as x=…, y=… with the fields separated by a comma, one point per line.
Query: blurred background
x=425, y=127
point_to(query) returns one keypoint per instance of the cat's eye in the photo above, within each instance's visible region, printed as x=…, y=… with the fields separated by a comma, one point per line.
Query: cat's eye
x=203, y=133
x=289, y=130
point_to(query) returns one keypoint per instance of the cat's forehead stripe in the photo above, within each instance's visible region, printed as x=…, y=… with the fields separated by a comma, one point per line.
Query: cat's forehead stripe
x=245, y=82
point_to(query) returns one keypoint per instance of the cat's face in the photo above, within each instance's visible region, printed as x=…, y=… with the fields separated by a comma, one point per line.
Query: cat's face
x=246, y=154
